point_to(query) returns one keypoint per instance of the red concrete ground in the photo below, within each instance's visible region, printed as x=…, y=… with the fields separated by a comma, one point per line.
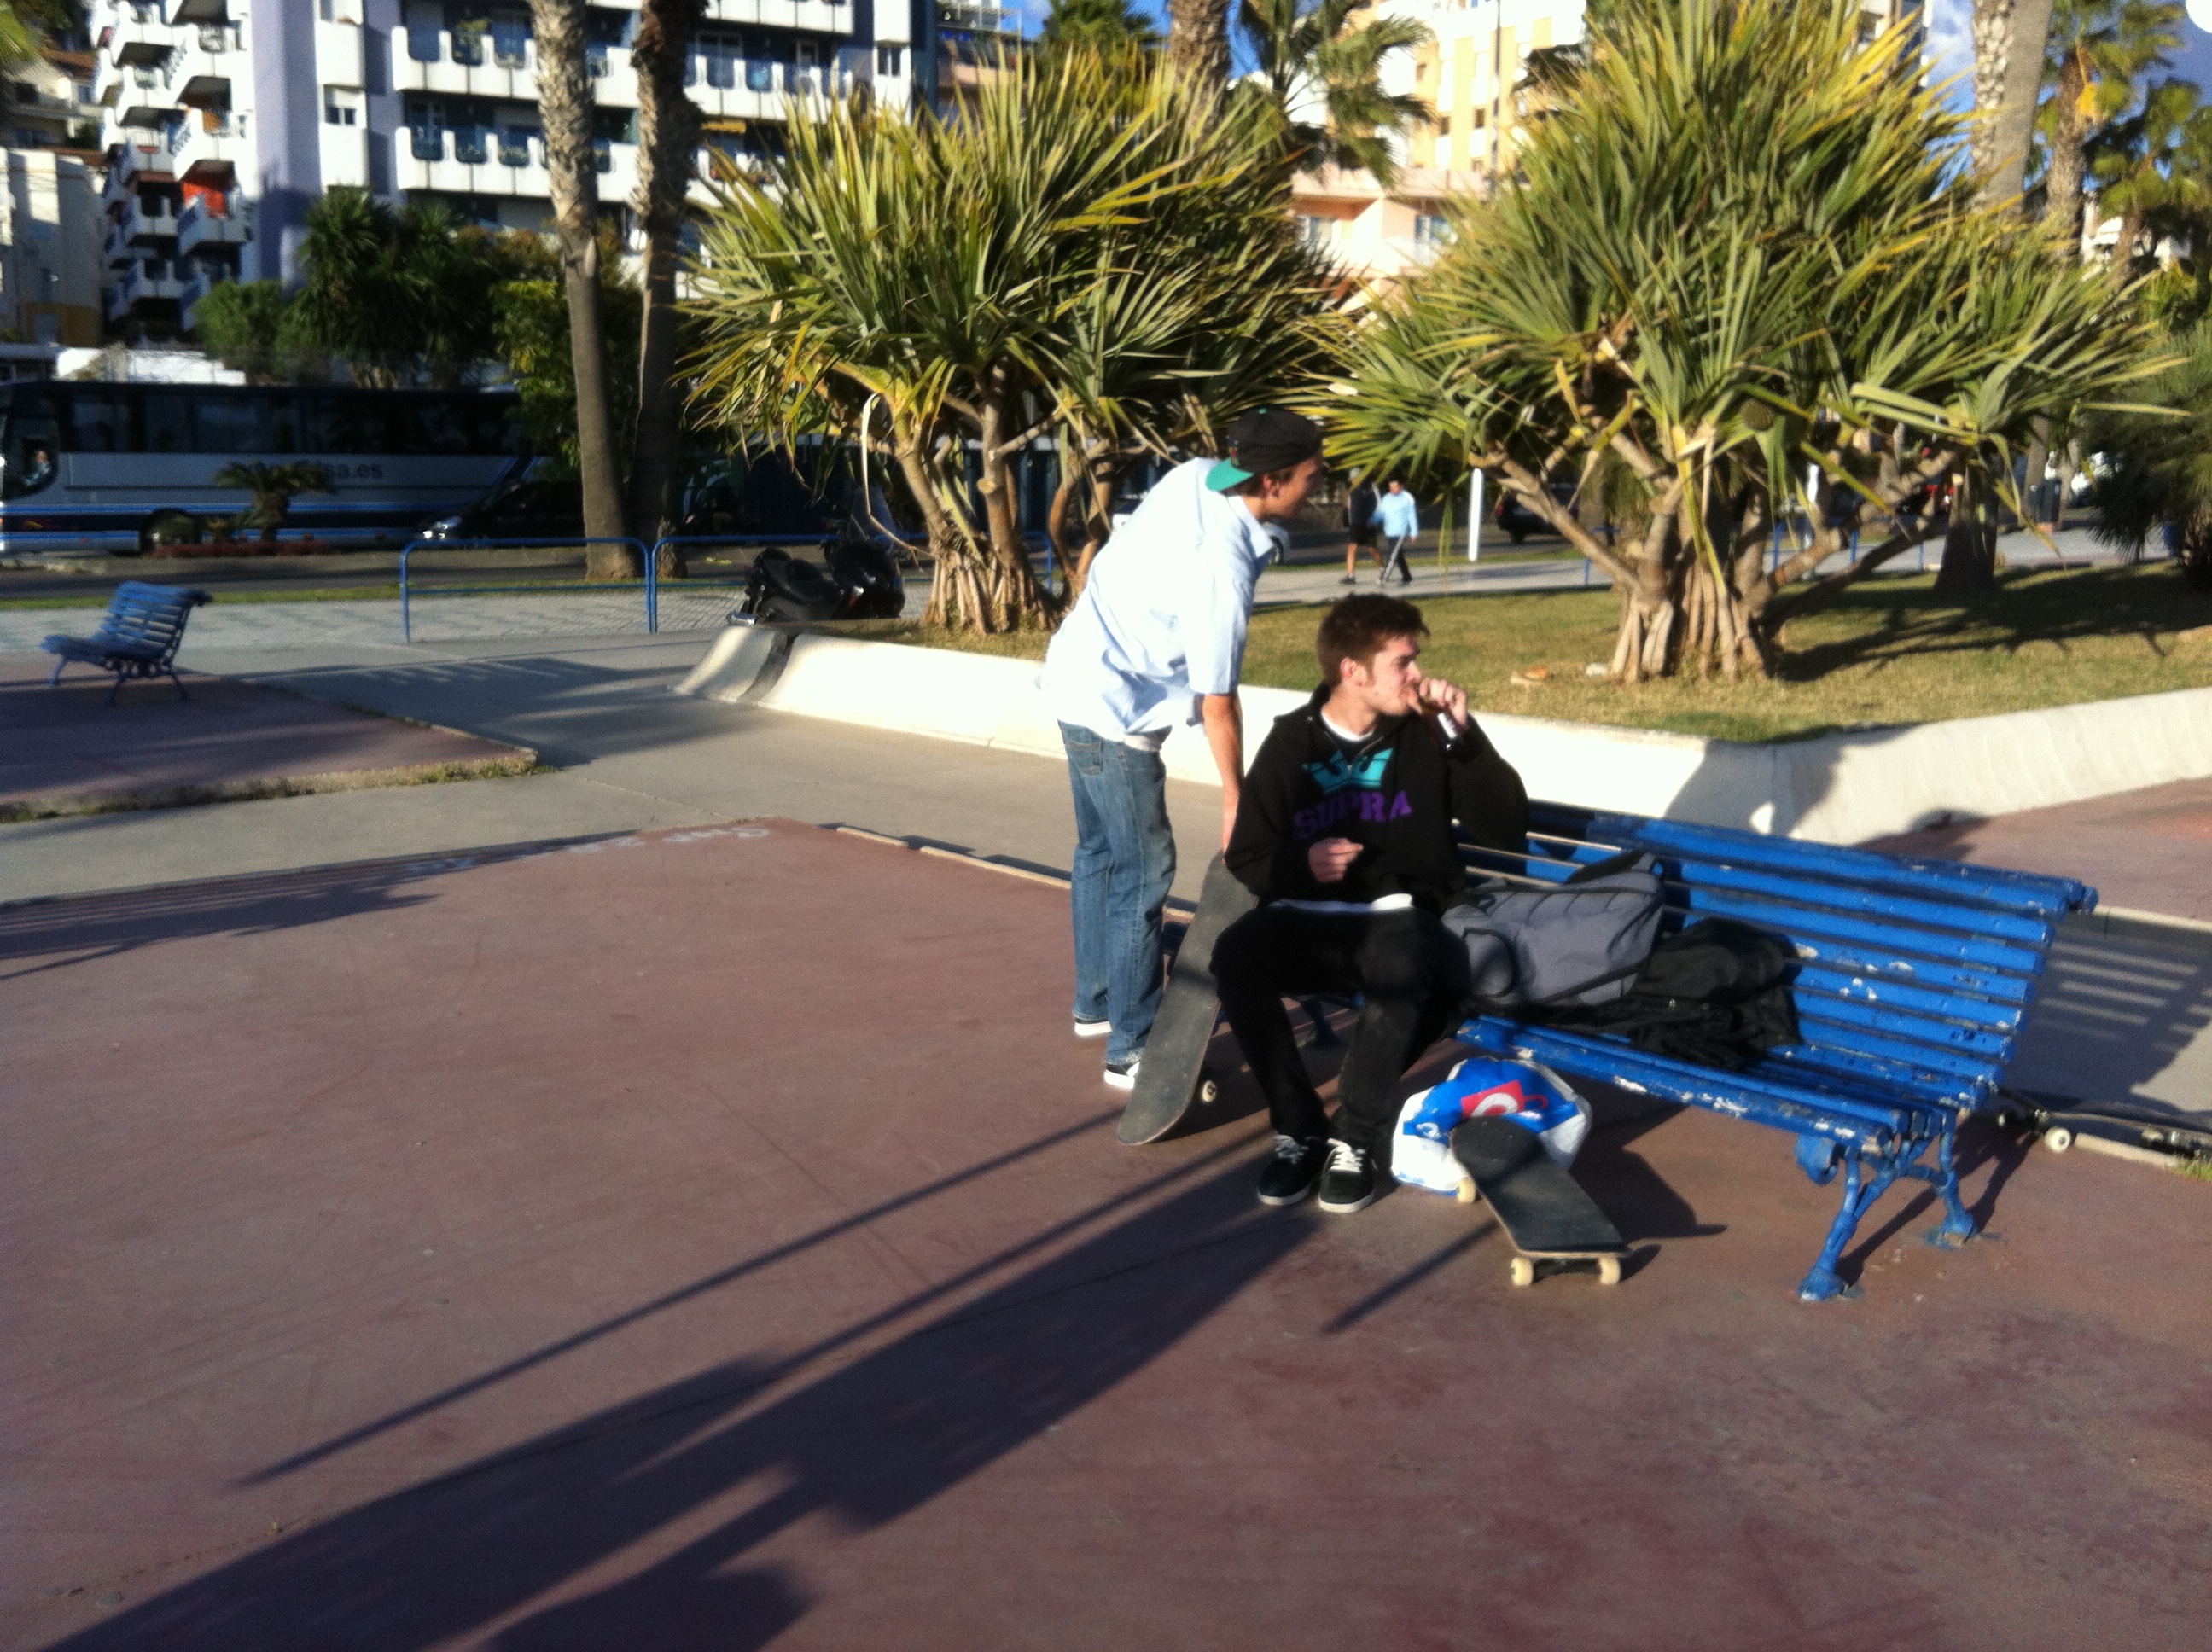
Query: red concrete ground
x=68, y=750
x=2150, y=850
x=713, y=1240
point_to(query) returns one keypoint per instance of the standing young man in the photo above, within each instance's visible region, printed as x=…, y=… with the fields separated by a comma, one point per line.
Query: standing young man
x=1400, y=519
x=1157, y=639
x=1346, y=832
x=1359, y=520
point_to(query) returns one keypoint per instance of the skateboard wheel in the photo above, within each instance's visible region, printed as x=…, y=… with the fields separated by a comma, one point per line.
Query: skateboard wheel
x=1522, y=1271
x=2058, y=1139
x=1206, y=1093
x=1608, y=1270
x=1468, y=1195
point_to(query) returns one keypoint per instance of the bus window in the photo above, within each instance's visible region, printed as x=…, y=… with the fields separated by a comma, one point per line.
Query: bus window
x=100, y=421
x=285, y=435
x=357, y=422
x=166, y=421
x=28, y=438
x=232, y=423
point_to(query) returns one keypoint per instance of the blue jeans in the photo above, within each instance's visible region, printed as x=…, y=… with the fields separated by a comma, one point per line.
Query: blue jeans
x=1125, y=860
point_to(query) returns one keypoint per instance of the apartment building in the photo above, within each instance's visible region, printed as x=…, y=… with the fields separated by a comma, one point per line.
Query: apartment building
x=223, y=119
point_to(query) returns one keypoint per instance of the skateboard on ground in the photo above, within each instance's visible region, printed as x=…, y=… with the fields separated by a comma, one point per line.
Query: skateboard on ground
x=1171, y=1078
x=1543, y=1210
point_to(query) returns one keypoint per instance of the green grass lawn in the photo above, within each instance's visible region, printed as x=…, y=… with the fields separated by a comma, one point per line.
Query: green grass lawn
x=1889, y=652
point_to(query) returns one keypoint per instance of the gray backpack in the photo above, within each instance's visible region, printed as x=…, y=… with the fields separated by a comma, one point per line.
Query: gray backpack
x=1580, y=942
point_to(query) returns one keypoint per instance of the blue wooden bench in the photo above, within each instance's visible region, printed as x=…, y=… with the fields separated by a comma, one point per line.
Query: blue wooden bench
x=137, y=637
x=1913, y=980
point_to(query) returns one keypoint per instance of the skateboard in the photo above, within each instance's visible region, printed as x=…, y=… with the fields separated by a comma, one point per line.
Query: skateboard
x=1171, y=1079
x=1543, y=1210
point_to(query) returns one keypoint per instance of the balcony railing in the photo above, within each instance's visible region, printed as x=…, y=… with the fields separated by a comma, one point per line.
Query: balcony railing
x=198, y=226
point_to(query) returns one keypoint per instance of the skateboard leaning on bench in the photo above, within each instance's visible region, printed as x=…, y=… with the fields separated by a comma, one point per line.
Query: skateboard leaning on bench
x=1543, y=1210
x=1171, y=1077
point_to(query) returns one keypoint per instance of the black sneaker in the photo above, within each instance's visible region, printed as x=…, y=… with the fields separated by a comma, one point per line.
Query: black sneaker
x=1349, y=1183
x=1291, y=1175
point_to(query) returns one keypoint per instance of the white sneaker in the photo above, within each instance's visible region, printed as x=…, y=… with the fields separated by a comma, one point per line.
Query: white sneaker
x=1123, y=1077
x=1092, y=1028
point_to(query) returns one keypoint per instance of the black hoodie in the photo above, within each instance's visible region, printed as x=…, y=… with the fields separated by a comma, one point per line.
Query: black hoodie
x=1398, y=801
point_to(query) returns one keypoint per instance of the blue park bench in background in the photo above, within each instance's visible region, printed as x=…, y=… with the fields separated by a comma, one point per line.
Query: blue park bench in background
x=137, y=637
x=1913, y=979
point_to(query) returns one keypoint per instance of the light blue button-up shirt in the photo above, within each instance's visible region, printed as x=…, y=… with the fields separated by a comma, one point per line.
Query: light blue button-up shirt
x=1162, y=617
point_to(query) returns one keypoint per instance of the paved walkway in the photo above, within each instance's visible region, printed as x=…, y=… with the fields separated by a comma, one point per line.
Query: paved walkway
x=713, y=1240
x=69, y=752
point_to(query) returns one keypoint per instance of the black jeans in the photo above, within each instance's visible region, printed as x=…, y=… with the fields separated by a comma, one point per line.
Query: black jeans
x=1405, y=964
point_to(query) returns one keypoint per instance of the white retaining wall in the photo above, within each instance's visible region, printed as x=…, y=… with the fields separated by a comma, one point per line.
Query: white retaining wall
x=1839, y=788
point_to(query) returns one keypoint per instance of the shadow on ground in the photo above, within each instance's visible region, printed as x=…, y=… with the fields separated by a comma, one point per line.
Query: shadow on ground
x=865, y=1443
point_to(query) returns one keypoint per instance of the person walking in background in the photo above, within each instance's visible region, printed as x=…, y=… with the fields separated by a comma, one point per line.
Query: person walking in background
x=1401, y=522
x=1359, y=518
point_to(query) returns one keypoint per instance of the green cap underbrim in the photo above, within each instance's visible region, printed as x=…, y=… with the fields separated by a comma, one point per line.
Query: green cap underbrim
x=1225, y=476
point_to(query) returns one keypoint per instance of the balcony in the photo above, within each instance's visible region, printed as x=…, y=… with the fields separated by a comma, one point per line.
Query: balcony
x=138, y=226
x=153, y=281
x=134, y=44
x=473, y=64
x=205, y=154
x=137, y=164
x=196, y=288
x=198, y=229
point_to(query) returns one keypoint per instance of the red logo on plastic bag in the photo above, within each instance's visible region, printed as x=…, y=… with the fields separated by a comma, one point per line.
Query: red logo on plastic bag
x=1498, y=1101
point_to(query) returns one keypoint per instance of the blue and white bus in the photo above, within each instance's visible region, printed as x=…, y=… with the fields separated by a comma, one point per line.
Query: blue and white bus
x=85, y=467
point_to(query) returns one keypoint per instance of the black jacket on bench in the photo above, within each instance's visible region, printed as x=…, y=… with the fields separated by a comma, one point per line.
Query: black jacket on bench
x=1300, y=790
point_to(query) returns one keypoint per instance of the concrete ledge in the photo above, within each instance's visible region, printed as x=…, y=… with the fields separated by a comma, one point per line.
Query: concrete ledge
x=1838, y=788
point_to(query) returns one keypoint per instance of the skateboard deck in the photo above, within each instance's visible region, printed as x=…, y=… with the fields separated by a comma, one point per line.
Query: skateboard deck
x=1543, y=1210
x=1171, y=1077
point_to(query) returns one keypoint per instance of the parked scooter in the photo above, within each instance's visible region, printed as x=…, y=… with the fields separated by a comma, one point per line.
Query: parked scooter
x=861, y=581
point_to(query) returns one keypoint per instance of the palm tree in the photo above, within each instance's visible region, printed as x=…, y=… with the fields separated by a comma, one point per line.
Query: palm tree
x=273, y=488
x=2161, y=464
x=2098, y=51
x=667, y=131
x=1322, y=61
x=2132, y=163
x=2007, y=37
x=1741, y=248
x=564, y=101
x=1100, y=25
x=1121, y=226
x=1198, y=39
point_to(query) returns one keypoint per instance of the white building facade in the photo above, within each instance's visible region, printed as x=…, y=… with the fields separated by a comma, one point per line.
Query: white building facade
x=224, y=119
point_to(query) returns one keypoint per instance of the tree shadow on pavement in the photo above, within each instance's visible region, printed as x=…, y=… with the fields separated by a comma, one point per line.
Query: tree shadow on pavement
x=866, y=1443
x=64, y=929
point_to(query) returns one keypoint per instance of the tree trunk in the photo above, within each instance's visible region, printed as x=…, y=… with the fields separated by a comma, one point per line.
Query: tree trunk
x=1198, y=39
x=2061, y=183
x=1014, y=592
x=2009, y=38
x=667, y=131
x=2039, y=459
x=1970, y=544
x=564, y=101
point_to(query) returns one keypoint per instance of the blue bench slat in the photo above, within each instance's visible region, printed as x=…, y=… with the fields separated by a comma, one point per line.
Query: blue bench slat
x=1999, y=885
x=1958, y=957
x=1869, y=988
x=1966, y=1072
x=2031, y=928
x=1611, y=1062
x=1855, y=1074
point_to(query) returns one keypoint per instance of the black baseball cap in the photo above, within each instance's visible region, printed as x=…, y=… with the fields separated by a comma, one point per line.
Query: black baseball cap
x=1266, y=439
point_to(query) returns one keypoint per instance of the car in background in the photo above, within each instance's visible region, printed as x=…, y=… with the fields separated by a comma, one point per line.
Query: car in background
x=526, y=508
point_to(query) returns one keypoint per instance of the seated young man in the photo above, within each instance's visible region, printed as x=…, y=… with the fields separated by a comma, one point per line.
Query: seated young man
x=1345, y=831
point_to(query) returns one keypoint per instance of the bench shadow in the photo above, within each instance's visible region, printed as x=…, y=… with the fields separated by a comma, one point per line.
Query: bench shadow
x=866, y=1443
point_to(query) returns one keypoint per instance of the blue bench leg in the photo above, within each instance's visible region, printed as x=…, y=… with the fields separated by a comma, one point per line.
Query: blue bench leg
x=180, y=681
x=55, y=675
x=1957, y=1226
x=115, y=688
x=1861, y=1187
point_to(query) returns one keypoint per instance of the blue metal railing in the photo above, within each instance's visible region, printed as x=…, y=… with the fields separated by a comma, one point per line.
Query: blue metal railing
x=406, y=622
x=649, y=557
